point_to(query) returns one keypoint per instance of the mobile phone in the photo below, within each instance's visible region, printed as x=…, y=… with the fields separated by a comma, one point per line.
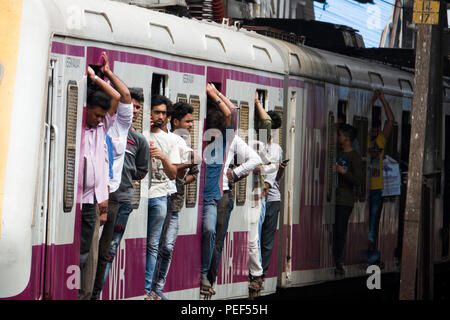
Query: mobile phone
x=285, y=161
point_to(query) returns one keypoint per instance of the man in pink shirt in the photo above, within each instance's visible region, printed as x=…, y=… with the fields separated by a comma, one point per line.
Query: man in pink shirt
x=102, y=102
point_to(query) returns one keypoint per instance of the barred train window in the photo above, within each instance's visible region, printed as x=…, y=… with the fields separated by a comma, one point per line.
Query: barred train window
x=137, y=184
x=243, y=134
x=331, y=154
x=191, y=189
x=70, y=154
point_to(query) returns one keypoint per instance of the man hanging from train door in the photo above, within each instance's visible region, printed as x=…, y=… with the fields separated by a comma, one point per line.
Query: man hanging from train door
x=348, y=168
x=273, y=196
x=102, y=103
x=240, y=161
x=181, y=121
x=377, y=144
x=118, y=134
x=135, y=168
x=164, y=157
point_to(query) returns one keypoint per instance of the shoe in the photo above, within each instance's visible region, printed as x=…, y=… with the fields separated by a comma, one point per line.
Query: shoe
x=160, y=295
x=256, y=283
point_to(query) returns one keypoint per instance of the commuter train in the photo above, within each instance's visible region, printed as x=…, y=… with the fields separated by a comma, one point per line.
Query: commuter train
x=46, y=46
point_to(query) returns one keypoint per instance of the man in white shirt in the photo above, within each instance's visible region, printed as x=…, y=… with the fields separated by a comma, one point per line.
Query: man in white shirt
x=273, y=196
x=181, y=121
x=164, y=157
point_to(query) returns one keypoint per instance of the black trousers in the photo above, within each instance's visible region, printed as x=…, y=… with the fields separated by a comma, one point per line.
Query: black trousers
x=342, y=215
x=224, y=208
x=268, y=231
x=105, y=242
x=88, y=220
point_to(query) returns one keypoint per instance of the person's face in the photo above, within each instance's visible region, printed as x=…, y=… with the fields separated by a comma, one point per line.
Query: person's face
x=94, y=115
x=159, y=115
x=185, y=123
x=137, y=107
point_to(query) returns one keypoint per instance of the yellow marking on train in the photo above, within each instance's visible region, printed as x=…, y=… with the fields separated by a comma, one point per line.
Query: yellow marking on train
x=10, y=21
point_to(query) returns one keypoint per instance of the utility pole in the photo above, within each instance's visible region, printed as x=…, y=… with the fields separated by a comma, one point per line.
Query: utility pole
x=424, y=166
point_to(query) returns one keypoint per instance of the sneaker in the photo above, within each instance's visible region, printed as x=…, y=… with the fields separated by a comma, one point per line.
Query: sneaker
x=256, y=283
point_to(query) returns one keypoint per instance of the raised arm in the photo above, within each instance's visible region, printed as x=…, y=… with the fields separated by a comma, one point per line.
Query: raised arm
x=110, y=91
x=389, y=115
x=125, y=96
x=262, y=114
x=212, y=93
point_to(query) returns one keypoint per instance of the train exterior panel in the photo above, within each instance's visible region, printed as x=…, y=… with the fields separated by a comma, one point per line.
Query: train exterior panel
x=43, y=86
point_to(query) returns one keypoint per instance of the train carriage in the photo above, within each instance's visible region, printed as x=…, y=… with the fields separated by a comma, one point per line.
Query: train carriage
x=43, y=88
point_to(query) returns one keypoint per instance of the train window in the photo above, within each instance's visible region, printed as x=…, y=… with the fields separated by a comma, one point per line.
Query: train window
x=234, y=187
x=342, y=111
x=70, y=154
x=159, y=84
x=376, y=116
x=361, y=125
x=391, y=144
x=244, y=113
x=262, y=95
x=331, y=154
x=137, y=184
x=191, y=189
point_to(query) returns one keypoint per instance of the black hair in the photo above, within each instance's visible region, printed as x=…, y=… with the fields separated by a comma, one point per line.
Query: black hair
x=98, y=98
x=214, y=117
x=348, y=131
x=180, y=110
x=276, y=119
x=158, y=99
x=137, y=94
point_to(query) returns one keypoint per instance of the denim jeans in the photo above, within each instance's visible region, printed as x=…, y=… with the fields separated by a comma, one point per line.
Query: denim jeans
x=260, y=224
x=124, y=210
x=157, y=211
x=166, y=245
x=268, y=231
x=375, y=203
x=209, y=221
x=224, y=208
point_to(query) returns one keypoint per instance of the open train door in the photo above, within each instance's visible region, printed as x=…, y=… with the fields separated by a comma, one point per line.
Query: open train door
x=59, y=192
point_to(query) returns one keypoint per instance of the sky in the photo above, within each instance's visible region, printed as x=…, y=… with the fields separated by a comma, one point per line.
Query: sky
x=368, y=19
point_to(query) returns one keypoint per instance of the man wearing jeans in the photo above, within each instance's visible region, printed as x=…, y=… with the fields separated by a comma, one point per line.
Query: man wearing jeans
x=135, y=167
x=181, y=123
x=164, y=156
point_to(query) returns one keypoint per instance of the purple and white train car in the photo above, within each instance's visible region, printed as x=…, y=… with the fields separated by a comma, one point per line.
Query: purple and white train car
x=43, y=61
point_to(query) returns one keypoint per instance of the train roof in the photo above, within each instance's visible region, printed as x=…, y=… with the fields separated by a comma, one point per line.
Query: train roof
x=340, y=69
x=129, y=25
